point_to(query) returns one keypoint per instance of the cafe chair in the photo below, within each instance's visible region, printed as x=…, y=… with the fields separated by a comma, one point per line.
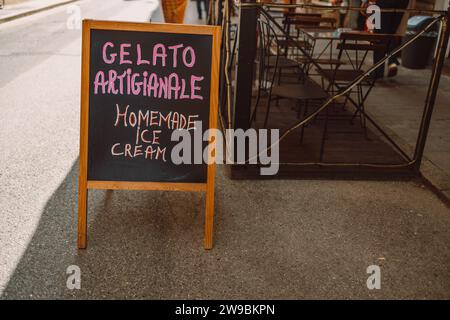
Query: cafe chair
x=271, y=58
x=302, y=91
x=354, y=49
x=297, y=24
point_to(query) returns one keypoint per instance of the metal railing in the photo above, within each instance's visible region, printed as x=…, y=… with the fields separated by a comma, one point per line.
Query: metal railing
x=234, y=109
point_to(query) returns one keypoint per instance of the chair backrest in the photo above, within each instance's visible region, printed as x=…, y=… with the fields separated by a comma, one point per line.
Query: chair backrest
x=272, y=51
x=307, y=18
x=301, y=19
x=310, y=21
x=268, y=48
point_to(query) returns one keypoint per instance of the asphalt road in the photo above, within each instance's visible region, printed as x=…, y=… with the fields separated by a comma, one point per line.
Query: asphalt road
x=273, y=239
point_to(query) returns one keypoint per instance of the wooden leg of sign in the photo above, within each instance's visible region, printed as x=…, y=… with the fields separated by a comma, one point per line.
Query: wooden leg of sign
x=209, y=218
x=209, y=211
x=82, y=216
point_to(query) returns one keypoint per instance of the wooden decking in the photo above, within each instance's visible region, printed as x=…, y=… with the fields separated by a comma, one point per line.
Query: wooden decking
x=349, y=150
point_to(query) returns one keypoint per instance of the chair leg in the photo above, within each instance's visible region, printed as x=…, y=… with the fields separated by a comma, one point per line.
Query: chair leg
x=360, y=105
x=266, y=120
x=364, y=123
x=305, y=112
x=345, y=103
x=363, y=113
x=279, y=82
x=324, y=136
x=280, y=73
x=298, y=105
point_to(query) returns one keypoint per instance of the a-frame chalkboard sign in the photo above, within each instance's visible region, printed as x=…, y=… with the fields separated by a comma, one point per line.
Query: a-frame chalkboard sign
x=140, y=82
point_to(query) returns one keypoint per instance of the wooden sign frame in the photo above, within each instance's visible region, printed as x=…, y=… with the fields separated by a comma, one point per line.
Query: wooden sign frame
x=84, y=183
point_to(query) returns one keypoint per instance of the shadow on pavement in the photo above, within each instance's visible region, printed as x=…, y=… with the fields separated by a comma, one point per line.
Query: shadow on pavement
x=136, y=242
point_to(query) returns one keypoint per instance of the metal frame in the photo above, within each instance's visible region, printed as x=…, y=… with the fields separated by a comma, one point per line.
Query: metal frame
x=249, y=11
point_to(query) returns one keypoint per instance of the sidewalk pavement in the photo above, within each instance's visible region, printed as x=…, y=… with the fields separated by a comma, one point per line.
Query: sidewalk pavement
x=279, y=239
x=15, y=9
x=25, y=8
x=398, y=103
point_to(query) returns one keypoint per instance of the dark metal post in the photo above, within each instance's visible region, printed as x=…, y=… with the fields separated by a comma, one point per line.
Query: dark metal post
x=222, y=82
x=220, y=7
x=432, y=92
x=246, y=53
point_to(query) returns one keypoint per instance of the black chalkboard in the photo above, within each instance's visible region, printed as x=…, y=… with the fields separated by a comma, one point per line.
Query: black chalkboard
x=118, y=149
x=140, y=83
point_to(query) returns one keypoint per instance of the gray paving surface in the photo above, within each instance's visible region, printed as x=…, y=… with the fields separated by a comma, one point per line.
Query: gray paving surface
x=14, y=9
x=398, y=104
x=274, y=239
